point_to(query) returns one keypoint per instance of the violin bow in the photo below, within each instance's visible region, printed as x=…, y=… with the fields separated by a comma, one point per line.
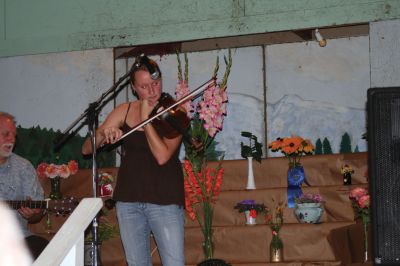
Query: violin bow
x=181, y=100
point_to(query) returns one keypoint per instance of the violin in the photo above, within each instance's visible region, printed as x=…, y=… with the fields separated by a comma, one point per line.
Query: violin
x=174, y=122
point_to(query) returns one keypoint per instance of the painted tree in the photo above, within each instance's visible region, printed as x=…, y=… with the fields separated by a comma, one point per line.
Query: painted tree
x=326, y=146
x=345, y=144
x=36, y=145
x=356, y=149
x=318, y=146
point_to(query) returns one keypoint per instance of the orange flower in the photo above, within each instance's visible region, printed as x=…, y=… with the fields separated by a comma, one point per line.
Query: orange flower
x=276, y=145
x=307, y=146
x=201, y=188
x=293, y=148
x=291, y=145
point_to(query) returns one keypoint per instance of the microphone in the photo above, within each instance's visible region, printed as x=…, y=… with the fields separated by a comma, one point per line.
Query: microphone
x=154, y=73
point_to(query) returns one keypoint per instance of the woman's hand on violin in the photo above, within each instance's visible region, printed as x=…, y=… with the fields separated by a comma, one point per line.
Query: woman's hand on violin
x=145, y=109
x=112, y=134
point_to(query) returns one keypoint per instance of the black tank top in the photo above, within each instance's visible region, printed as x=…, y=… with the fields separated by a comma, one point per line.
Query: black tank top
x=142, y=179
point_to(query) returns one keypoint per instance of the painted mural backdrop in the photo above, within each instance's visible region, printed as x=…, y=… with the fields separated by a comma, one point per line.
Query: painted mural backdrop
x=317, y=93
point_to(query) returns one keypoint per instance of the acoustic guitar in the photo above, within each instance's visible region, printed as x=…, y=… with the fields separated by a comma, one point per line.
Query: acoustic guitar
x=60, y=207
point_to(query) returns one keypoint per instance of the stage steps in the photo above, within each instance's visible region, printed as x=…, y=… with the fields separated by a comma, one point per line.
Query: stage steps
x=241, y=244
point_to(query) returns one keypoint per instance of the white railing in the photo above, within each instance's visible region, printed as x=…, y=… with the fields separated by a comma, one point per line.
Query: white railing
x=67, y=246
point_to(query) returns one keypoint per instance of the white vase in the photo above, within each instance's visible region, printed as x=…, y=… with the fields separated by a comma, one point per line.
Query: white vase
x=250, y=174
x=250, y=220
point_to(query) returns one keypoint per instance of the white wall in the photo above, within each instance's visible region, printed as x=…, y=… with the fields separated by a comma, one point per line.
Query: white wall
x=385, y=53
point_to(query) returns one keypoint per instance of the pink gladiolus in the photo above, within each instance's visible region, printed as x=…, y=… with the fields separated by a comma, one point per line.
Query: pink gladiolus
x=182, y=90
x=212, y=109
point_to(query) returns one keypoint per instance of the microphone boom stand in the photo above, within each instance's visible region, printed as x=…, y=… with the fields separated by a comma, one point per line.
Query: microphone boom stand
x=91, y=115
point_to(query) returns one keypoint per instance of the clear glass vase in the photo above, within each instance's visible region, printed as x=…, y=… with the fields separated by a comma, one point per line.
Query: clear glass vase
x=276, y=254
x=55, y=192
x=365, y=225
x=276, y=248
x=208, y=247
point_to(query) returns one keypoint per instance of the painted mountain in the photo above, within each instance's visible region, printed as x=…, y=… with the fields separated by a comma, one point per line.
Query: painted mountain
x=292, y=115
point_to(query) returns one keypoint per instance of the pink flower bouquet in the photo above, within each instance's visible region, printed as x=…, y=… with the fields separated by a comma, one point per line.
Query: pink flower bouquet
x=57, y=170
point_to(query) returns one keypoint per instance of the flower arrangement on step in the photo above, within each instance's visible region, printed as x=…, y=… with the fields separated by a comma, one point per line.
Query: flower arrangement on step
x=309, y=198
x=104, y=182
x=346, y=171
x=308, y=208
x=254, y=149
x=360, y=201
x=293, y=148
x=203, y=183
x=55, y=172
x=251, y=208
x=274, y=219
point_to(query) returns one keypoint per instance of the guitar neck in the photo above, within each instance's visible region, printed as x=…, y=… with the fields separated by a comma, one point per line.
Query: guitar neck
x=33, y=204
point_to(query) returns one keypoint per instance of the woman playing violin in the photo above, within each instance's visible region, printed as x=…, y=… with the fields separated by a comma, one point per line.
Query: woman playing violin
x=149, y=193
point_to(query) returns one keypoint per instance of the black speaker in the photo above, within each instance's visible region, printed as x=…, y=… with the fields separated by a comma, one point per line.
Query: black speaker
x=383, y=120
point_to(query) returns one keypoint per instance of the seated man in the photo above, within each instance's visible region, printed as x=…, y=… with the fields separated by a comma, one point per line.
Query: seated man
x=18, y=181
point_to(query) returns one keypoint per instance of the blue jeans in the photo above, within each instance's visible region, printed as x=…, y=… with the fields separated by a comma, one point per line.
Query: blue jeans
x=137, y=220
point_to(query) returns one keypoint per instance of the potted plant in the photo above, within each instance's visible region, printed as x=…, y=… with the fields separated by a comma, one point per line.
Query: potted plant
x=250, y=151
x=250, y=209
x=308, y=208
x=104, y=183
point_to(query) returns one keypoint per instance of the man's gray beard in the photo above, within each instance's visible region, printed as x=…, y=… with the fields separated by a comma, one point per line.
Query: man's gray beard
x=4, y=153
